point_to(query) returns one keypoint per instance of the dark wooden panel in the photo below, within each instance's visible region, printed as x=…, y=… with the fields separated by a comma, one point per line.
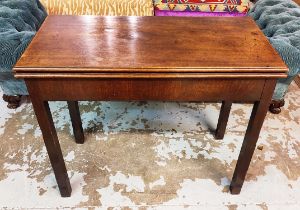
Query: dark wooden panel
x=150, y=44
x=147, y=89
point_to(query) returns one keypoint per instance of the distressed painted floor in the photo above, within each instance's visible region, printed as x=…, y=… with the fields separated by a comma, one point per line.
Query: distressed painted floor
x=151, y=156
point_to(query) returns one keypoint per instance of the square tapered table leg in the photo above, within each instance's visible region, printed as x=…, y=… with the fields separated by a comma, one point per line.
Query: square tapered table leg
x=44, y=118
x=258, y=115
x=76, y=121
x=223, y=119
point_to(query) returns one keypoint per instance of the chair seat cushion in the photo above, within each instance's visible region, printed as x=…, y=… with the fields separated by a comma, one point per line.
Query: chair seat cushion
x=212, y=6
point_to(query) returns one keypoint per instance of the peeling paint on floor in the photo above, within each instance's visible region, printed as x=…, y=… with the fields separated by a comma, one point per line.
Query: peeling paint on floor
x=151, y=155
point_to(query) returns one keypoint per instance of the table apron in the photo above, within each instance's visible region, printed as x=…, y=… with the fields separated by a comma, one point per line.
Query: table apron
x=206, y=90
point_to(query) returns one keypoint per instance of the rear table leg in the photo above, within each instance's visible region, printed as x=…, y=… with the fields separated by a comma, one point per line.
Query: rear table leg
x=76, y=121
x=223, y=119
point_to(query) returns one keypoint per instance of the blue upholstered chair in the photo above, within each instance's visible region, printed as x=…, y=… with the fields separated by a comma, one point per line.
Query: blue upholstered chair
x=19, y=21
x=280, y=22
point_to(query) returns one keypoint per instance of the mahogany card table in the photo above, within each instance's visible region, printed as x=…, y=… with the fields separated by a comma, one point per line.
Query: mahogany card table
x=207, y=59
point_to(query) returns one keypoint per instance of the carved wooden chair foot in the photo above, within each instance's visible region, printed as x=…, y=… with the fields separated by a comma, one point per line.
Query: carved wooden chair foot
x=13, y=101
x=275, y=106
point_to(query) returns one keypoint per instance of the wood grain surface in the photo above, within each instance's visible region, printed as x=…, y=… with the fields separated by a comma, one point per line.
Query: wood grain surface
x=94, y=44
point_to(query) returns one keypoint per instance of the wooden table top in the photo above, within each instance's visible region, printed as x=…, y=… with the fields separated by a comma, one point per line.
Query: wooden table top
x=74, y=45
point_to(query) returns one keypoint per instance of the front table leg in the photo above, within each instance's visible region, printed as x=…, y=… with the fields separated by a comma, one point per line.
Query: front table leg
x=43, y=115
x=258, y=114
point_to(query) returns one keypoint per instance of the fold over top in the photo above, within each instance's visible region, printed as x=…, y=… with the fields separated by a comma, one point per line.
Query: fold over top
x=94, y=44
